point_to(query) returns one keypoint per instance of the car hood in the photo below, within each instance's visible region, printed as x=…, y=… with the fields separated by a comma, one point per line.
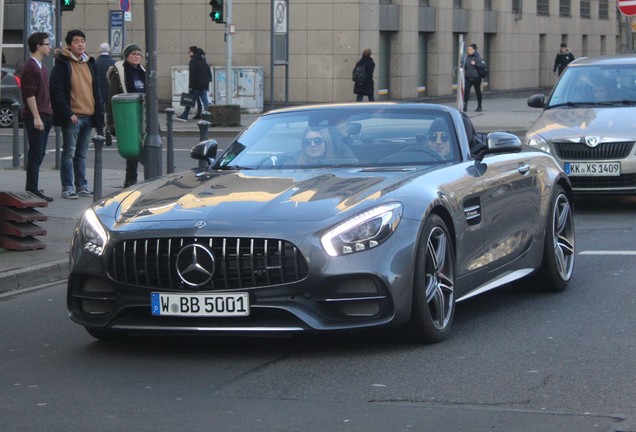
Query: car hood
x=565, y=123
x=292, y=195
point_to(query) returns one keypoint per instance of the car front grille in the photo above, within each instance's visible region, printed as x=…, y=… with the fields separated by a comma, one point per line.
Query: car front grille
x=604, y=151
x=238, y=262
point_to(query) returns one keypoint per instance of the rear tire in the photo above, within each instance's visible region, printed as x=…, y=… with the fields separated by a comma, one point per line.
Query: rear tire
x=433, y=305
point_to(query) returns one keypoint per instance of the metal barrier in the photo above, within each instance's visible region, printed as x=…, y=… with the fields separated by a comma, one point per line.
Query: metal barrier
x=98, y=142
x=16, y=136
x=170, y=140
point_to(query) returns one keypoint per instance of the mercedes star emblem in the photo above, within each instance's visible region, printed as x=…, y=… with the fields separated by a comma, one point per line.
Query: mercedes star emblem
x=195, y=265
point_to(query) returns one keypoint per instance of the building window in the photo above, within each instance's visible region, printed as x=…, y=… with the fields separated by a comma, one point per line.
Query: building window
x=422, y=66
x=603, y=9
x=457, y=4
x=424, y=3
x=603, y=45
x=543, y=7
x=517, y=7
x=585, y=9
x=584, y=46
x=564, y=8
x=488, y=5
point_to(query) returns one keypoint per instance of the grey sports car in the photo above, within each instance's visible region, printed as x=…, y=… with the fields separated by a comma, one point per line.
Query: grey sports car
x=326, y=218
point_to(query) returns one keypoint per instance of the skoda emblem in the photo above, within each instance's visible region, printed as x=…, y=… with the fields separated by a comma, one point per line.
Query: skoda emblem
x=592, y=141
x=195, y=265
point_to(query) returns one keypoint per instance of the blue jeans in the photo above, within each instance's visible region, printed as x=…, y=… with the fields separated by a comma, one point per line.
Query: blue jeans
x=202, y=95
x=75, y=140
x=37, y=150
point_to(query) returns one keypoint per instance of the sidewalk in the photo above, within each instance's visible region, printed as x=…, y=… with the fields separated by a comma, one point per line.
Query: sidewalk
x=29, y=269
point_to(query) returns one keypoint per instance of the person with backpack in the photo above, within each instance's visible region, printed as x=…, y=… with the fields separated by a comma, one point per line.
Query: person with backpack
x=362, y=76
x=474, y=70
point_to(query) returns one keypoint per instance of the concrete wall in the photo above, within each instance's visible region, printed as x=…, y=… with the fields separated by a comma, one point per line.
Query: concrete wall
x=327, y=36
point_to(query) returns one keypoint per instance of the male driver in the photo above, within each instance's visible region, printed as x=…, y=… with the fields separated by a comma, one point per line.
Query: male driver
x=77, y=108
x=37, y=109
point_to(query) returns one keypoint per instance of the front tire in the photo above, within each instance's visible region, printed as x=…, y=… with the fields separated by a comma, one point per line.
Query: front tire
x=6, y=115
x=433, y=305
x=559, y=249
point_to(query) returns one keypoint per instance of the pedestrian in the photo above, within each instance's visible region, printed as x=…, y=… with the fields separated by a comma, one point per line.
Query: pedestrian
x=563, y=58
x=77, y=108
x=103, y=62
x=199, y=82
x=364, y=87
x=134, y=81
x=472, y=65
x=199, y=106
x=36, y=111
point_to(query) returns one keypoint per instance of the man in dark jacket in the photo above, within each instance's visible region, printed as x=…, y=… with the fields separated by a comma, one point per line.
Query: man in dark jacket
x=472, y=63
x=563, y=58
x=77, y=108
x=365, y=87
x=103, y=62
x=199, y=80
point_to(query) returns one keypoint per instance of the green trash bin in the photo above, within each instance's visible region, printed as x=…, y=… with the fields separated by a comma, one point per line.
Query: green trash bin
x=128, y=114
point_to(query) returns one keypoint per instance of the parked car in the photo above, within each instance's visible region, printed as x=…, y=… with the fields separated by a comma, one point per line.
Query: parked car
x=9, y=94
x=376, y=228
x=587, y=124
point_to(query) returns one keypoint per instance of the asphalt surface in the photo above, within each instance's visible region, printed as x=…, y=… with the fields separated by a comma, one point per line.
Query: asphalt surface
x=32, y=268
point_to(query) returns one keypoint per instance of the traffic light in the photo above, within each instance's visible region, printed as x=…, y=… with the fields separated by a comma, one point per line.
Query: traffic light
x=68, y=5
x=217, y=10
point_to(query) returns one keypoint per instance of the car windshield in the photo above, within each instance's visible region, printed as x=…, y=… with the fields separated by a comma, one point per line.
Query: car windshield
x=338, y=136
x=595, y=85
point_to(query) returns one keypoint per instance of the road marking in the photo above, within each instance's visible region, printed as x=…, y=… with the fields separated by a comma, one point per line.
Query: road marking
x=607, y=252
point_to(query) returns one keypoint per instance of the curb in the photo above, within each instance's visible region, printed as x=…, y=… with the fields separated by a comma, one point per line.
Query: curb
x=14, y=280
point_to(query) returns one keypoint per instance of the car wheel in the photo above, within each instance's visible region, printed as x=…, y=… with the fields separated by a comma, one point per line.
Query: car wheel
x=433, y=305
x=105, y=335
x=6, y=115
x=558, y=253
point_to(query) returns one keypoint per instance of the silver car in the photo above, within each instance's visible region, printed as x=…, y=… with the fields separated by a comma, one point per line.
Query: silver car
x=588, y=124
x=9, y=93
x=326, y=218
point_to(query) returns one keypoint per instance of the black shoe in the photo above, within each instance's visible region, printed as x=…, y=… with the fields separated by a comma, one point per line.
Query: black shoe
x=41, y=195
x=465, y=107
x=478, y=109
x=128, y=183
x=196, y=117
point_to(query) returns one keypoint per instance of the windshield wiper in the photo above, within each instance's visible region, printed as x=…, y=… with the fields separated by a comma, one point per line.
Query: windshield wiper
x=571, y=104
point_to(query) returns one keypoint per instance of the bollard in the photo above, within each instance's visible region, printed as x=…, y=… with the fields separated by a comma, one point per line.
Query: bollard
x=170, y=139
x=98, y=142
x=203, y=136
x=16, y=137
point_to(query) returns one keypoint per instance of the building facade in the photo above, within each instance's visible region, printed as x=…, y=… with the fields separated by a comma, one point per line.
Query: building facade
x=414, y=42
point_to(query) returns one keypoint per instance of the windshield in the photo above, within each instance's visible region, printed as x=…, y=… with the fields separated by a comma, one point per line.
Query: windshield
x=596, y=85
x=338, y=136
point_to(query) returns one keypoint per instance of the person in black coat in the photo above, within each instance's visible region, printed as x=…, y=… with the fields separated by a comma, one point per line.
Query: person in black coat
x=365, y=88
x=563, y=58
x=472, y=63
x=199, y=80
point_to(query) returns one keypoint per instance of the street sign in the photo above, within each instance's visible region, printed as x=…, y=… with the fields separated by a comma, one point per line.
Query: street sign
x=124, y=5
x=627, y=7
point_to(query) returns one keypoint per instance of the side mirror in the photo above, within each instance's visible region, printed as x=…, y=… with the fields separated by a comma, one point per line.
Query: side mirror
x=500, y=142
x=205, y=150
x=536, y=101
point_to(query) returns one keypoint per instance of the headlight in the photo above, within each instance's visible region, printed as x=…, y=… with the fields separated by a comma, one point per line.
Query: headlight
x=364, y=231
x=537, y=141
x=93, y=236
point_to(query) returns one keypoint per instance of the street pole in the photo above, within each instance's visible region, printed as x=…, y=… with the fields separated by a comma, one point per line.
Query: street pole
x=228, y=54
x=152, y=142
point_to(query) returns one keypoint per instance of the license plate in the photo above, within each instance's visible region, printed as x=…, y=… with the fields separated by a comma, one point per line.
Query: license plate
x=195, y=304
x=593, y=168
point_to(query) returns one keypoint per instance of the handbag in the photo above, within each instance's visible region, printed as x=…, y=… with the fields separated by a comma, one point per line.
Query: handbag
x=187, y=100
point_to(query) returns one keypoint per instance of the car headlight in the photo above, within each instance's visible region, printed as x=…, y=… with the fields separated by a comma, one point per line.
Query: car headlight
x=537, y=141
x=93, y=236
x=364, y=231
